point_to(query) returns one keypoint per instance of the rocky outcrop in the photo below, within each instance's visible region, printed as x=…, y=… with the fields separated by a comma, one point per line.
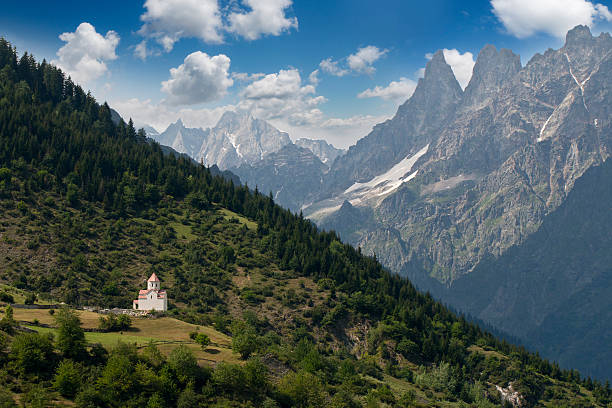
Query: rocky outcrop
x=323, y=150
x=290, y=174
x=508, y=150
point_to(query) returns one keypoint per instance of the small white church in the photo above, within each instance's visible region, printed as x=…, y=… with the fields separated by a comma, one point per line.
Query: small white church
x=151, y=298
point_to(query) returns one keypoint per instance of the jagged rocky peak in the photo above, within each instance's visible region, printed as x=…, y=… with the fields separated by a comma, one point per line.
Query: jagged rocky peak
x=578, y=36
x=491, y=70
x=326, y=152
x=231, y=120
x=438, y=89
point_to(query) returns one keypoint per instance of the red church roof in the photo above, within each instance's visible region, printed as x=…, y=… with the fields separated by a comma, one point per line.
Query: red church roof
x=153, y=278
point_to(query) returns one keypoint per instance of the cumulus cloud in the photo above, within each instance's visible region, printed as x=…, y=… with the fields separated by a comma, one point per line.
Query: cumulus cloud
x=85, y=53
x=282, y=95
x=200, y=78
x=363, y=59
x=461, y=64
x=266, y=17
x=361, y=62
x=167, y=21
x=397, y=91
x=244, y=77
x=332, y=67
x=313, y=78
x=523, y=18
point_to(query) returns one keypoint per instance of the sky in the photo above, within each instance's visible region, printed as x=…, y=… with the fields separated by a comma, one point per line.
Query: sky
x=321, y=69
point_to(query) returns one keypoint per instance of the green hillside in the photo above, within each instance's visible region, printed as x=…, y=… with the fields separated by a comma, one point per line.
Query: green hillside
x=89, y=209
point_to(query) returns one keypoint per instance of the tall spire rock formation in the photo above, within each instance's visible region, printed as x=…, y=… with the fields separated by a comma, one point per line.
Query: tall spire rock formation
x=415, y=125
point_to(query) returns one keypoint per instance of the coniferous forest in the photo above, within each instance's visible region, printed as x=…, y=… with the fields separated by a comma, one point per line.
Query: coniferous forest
x=89, y=207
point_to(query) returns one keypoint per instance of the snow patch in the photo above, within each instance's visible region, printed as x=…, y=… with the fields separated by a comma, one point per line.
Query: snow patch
x=540, y=139
x=580, y=84
x=390, y=180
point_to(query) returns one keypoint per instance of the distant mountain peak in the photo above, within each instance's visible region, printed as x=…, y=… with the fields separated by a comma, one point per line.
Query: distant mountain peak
x=578, y=35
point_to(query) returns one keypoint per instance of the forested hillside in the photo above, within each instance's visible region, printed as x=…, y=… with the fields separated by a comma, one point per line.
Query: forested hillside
x=88, y=209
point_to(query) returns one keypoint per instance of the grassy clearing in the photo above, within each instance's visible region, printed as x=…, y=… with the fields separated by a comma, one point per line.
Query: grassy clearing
x=166, y=332
x=227, y=214
x=183, y=230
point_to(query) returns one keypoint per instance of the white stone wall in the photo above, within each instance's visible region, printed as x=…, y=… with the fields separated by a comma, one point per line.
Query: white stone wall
x=153, y=304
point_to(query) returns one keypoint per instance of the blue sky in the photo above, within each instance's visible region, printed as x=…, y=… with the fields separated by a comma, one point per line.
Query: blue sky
x=158, y=60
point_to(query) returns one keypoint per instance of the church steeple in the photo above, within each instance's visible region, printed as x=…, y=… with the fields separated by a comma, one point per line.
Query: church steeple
x=153, y=282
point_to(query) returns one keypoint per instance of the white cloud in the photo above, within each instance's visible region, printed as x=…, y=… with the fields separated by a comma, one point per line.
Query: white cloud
x=341, y=132
x=397, y=91
x=266, y=17
x=523, y=18
x=361, y=62
x=245, y=77
x=332, y=67
x=292, y=105
x=85, y=53
x=159, y=115
x=461, y=64
x=282, y=95
x=200, y=78
x=167, y=21
x=363, y=59
x=313, y=78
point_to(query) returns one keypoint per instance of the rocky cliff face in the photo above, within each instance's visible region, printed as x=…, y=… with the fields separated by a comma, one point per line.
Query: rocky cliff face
x=290, y=174
x=323, y=150
x=501, y=155
x=240, y=138
x=552, y=290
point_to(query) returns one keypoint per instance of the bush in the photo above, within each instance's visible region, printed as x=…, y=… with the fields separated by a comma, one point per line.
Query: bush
x=32, y=353
x=200, y=338
x=30, y=299
x=302, y=390
x=7, y=323
x=184, y=364
x=114, y=323
x=67, y=379
x=6, y=399
x=6, y=297
x=244, y=339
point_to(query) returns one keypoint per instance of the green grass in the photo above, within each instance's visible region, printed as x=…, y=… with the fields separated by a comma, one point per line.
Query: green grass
x=227, y=214
x=108, y=340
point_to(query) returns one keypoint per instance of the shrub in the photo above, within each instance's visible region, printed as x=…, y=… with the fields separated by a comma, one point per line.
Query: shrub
x=114, y=323
x=32, y=353
x=67, y=379
x=6, y=297
x=30, y=299
x=302, y=390
x=184, y=364
x=200, y=338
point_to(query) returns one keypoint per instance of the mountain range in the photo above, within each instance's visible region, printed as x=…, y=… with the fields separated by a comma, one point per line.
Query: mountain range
x=237, y=139
x=456, y=179
x=265, y=309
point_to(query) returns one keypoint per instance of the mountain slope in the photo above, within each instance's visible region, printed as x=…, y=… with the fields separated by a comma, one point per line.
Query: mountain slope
x=291, y=174
x=507, y=155
x=323, y=150
x=89, y=209
x=551, y=290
